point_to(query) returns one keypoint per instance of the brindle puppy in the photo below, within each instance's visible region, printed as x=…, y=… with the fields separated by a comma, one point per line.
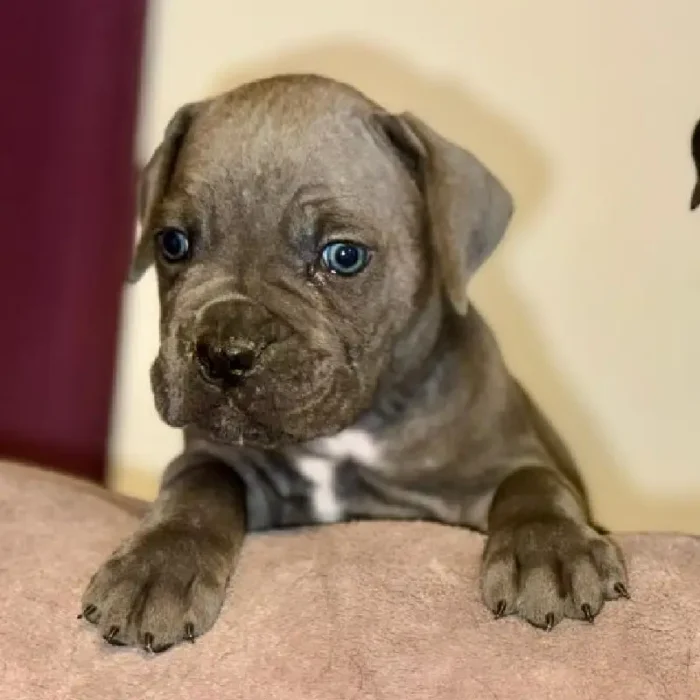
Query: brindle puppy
x=319, y=349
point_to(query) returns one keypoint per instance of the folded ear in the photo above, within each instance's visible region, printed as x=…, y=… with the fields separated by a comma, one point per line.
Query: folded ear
x=153, y=184
x=468, y=209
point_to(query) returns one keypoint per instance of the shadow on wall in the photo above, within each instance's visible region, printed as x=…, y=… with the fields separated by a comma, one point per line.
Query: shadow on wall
x=522, y=166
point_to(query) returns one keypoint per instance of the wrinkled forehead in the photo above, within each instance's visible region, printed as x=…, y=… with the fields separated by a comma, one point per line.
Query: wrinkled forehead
x=249, y=158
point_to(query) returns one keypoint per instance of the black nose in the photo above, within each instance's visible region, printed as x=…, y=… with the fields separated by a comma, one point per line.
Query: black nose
x=227, y=365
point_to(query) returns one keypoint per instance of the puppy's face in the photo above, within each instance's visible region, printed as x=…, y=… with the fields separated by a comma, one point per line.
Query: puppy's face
x=288, y=229
x=289, y=258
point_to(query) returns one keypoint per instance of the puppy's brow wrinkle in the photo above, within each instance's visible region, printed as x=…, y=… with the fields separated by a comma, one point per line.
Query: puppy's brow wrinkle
x=314, y=213
x=300, y=218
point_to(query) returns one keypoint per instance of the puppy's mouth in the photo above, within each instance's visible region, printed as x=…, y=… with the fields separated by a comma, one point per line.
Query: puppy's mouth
x=238, y=428
x=292, y=396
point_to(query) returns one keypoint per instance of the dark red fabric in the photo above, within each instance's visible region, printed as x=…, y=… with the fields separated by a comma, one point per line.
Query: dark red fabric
x=71, y=73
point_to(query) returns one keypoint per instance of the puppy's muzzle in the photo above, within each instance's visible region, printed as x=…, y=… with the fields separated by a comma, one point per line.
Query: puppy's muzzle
x=230, y=339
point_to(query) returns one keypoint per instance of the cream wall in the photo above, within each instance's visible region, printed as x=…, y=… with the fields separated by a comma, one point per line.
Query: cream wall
x=585, y=110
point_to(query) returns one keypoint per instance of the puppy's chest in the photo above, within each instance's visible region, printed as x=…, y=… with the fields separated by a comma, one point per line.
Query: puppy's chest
x=331, y=471
x=344, y=477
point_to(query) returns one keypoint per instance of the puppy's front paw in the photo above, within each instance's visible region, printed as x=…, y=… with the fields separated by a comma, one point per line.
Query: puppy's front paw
x=547, y=569
x=164, y=586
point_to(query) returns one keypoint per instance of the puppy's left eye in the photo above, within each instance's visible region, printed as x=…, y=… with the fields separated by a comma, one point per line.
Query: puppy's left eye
x=345, y=258
x=174, y=244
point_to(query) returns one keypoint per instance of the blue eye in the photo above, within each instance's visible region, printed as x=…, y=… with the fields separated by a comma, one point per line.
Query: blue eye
x=345, y=258
x=174, y=244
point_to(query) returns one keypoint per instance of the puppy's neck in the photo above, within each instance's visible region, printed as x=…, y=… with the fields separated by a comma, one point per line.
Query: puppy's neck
x=426, y=372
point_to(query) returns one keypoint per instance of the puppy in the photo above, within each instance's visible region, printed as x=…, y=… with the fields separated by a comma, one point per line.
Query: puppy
x=318, y=348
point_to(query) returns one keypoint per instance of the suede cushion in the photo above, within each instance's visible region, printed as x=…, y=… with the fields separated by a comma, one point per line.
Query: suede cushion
x=359, y=611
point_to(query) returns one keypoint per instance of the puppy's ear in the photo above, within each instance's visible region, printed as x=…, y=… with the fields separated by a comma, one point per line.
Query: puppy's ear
x=153, y=183
x=468, y=209
x=695, y=152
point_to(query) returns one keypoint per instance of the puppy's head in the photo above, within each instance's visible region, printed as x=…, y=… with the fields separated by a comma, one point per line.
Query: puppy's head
x=306, y=244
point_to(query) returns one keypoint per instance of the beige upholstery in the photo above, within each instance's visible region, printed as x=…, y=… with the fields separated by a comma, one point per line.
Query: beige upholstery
x=370, y=611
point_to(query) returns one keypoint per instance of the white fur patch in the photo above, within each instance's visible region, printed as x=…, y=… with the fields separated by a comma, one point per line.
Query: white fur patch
x=320, y=469
x=321, y=473
x=351, y=444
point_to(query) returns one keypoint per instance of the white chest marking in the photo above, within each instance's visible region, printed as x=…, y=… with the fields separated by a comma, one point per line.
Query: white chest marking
x=320, y=468
x=321, y=473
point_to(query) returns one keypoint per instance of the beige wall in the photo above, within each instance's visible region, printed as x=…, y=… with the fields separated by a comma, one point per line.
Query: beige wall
x=585, y=110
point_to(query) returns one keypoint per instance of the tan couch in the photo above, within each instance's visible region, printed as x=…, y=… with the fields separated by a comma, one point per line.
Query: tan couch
x=364, y=611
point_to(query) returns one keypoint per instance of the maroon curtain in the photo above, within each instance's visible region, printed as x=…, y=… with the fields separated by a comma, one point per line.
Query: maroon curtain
x=69, y=101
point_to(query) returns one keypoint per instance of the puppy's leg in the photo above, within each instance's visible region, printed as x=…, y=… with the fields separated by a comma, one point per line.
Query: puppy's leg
x=167, y=582
x=543, y=559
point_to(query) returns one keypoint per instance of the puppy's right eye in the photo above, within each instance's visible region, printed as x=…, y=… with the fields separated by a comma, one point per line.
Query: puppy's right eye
x=174, y=244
